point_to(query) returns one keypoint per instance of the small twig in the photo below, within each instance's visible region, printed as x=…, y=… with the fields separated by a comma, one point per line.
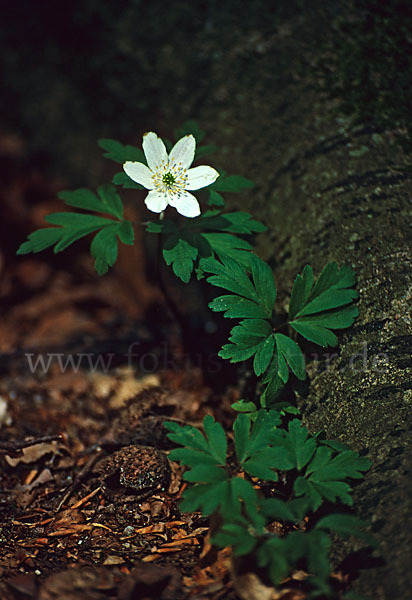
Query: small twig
x=83, y=472
x=17, y=447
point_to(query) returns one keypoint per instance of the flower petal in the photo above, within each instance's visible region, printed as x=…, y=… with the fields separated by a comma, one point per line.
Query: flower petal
x=183, y=152
x=154, y=151
x=185, y=204
x=200, y=177
x=156, y=202
x=139, y=173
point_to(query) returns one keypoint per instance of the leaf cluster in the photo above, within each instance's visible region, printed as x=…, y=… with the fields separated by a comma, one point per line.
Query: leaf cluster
x=212, y=234
x=72, y=226
x=262, y=450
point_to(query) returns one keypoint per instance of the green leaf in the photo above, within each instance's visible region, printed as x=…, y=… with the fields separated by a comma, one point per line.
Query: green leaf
x=272, y=553
x=274, y=508
x=125, y=233
x=164, y=226
x=298, y=446
x=40, y=240
x=300, y=291
x=236, y=222
x=104, y=248
x=326, y=474
x=241, y=428
x=207, y=497
x=316, y=328
x=346, y=525
x=108, y=201
x=274, y=386
x=232, y=183
x=179, y=253
x=246, y=339
x=216, y=437
x=190, y=127
x=120, y=153
x=226, y=245
x=264, y=283
x=205, y=474
x=264, y=355
x=125, y=181
x=237, y=307
x=215, y=199
x=230, y=275
x=83, y=221
x=249, y=408
x=288, y=351
x=252, y=444
x=316, y=309
x=237, y=536
x=205, y=150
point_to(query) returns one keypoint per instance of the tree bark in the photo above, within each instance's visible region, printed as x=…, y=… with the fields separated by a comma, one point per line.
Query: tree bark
x=331, y=190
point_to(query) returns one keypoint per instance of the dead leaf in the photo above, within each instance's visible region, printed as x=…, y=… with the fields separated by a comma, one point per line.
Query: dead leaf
x=33, y=453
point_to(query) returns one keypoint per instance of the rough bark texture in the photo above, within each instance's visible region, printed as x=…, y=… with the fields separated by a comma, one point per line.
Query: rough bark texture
x=328, y=190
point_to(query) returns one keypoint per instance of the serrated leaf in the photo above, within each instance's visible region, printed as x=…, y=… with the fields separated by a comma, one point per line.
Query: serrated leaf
x=207, y=497
x=229, y=275
x=104, y=248
x=111, y=200
x=79, y=220
x=226, y=245
x=121, y=153
x=191, y=457
x=246, y=339
x=181, y=255
x=40, y=240
x=243, y=406
x=264, y=283
x=260, y=465
x=328, y=305
x=297, y=443
x=82, y=198
x=216, y=438
x=287, y=351
x=186, y=436
x=237, y=307
x=300, y=291
x=316, y=328
x=264, y=355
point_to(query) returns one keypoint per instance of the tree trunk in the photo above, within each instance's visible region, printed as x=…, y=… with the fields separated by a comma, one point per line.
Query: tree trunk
x=331, y=190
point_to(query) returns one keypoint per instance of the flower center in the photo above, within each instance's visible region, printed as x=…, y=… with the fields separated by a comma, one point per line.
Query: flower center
x=168, y=179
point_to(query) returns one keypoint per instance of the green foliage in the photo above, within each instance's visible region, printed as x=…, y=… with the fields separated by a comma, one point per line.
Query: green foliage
x=121, y=153
x=184, y=247
x=73, y=226
x=317, y=308
x=262, y=450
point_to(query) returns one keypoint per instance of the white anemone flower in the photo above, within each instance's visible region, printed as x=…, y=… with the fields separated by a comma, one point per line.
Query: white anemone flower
x=169, y=177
